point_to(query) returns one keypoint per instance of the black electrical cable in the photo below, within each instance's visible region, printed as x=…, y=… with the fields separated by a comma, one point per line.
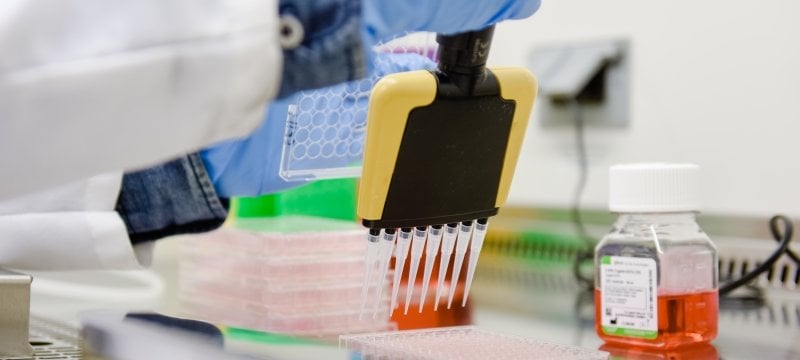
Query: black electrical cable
x=783, y=239
x=753, y=297
x=586, y=254
x=583, y=172
x=792, y=255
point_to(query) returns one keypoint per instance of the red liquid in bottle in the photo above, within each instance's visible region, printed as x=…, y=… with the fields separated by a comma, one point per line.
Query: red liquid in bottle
x=683, y=319
x=703, y=351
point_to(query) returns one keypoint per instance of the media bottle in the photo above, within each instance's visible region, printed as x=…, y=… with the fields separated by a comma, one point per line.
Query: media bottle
x=656, y=271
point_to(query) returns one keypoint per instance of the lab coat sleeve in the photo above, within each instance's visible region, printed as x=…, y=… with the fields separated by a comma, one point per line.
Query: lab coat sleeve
x=71, y=227
x=92, y=86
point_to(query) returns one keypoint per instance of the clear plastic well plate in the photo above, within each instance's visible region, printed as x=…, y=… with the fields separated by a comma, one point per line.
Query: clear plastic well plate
x=466, y=342
x=325, y=133
x=325, y=128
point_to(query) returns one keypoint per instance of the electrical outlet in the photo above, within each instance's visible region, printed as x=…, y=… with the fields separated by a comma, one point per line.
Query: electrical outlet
x=594, y=74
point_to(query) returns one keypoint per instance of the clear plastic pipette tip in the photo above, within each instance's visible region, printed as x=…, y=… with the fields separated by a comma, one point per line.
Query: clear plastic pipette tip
x=387, y=245
x=462, y=243
x=431, y=251
x=474, y=252
x=370, y=261
x=448, y=241
x=401, y=252
x=417, y=246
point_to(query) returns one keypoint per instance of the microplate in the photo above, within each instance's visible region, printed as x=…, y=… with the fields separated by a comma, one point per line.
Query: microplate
x=288, y=269
x=278, y=294
x=282, y=236
x=463, y=342
x=325, y=128
x=309, y=321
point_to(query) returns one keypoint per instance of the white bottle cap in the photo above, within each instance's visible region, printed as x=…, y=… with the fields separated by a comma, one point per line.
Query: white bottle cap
x=654, y=187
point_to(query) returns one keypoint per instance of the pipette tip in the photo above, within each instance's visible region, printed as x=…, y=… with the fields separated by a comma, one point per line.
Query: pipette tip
x=448, y=242
x=432, y=250
x=464, y=233
x=417, y=247
x=475, y=251
x=401, y=252
x=372, y=253
x=387, y=245
x=409, y=243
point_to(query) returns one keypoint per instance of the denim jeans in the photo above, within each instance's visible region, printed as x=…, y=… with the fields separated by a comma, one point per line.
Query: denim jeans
x=178, y=196
x=331, y=50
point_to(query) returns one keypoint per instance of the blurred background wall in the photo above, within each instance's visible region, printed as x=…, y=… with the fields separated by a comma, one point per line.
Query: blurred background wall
x=712, y=82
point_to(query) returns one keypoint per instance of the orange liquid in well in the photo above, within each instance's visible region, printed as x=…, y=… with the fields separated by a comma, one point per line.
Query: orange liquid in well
x=683, y=319
x=455, y=316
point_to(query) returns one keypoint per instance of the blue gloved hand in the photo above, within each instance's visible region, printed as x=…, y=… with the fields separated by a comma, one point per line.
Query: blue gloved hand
x=387, y=19
x=250, y=166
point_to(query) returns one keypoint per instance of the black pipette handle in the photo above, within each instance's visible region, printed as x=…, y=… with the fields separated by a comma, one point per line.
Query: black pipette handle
x=464, y=53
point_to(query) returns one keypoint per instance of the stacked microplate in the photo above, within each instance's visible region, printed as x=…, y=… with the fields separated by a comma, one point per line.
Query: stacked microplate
x=294, y=275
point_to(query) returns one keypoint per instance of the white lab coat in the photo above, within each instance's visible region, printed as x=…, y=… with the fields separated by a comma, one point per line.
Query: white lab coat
x=70, y=227
x=95, y=86
x=92, y=86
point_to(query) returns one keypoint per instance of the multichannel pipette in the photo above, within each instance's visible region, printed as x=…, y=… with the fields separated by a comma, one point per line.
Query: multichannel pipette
x=441, y=148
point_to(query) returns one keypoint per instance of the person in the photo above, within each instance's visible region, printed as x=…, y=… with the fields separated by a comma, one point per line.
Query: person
x=88, y=87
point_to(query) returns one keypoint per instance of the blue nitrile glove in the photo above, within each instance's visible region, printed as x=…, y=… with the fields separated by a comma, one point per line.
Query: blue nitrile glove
x=250, y=166
x=386, y=19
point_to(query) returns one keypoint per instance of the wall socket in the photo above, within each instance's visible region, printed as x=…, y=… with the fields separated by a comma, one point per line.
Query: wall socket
x=594, y=74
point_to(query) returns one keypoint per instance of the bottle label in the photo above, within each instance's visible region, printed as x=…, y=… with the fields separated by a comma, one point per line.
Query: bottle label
x=629, y=288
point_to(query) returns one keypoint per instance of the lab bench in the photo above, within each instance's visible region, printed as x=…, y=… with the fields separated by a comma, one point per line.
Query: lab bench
x=769, y=331
x=524, y=286
x=551, y=307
